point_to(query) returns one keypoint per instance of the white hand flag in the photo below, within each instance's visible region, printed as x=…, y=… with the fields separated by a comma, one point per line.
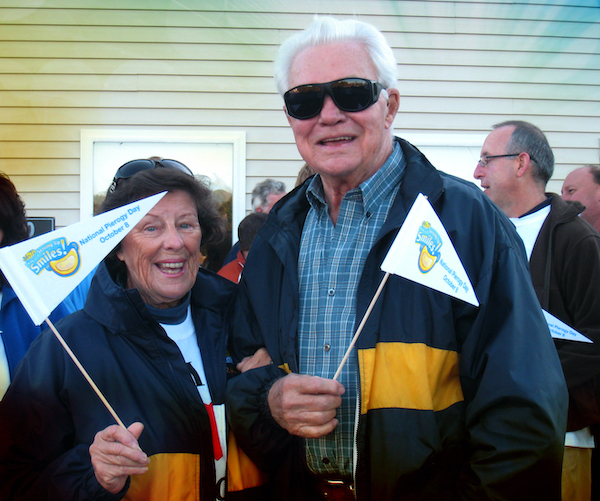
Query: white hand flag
x=45, y=269
x=560, y=330
x=423, y=252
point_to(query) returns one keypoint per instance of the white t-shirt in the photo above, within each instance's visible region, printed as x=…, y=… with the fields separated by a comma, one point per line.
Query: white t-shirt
x=184, y=335
x=528, y=227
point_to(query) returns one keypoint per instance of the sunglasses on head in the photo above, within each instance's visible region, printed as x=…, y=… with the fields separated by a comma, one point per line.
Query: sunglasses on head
x=348, y=94
x=134, y=166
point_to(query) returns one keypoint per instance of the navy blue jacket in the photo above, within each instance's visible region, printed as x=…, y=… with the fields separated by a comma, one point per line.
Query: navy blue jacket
x=456, y=402
x=50, y=415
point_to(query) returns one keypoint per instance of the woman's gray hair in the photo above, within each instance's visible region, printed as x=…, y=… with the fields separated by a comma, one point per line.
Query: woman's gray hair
x=327, y=30
x=529, y=139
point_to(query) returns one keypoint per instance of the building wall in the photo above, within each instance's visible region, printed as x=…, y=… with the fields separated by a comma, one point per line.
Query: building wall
x=67, y=65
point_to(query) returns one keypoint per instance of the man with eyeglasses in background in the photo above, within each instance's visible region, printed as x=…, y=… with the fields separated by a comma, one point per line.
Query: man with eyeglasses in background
x=564, y=258
x=440, y=399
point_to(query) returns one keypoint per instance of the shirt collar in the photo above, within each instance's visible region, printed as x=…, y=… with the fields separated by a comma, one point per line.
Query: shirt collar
x=373, y=190
x=538, y=207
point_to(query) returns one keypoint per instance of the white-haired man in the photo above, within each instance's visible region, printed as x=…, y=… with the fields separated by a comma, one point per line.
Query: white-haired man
x=440, y=400
x=266, y=194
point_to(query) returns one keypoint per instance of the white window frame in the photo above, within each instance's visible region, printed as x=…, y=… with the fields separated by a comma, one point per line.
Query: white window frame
x=91, y=137
x=469, y=142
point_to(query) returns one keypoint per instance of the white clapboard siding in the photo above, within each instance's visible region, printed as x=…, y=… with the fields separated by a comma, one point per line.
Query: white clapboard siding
x=206, y=65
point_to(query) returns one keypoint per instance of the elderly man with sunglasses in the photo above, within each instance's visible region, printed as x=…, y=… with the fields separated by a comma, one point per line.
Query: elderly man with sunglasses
x=440, y=399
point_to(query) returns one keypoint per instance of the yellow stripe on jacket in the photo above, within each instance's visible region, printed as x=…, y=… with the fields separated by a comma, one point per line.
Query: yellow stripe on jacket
x=409, y=376
x=170, y=477
x=242, y=473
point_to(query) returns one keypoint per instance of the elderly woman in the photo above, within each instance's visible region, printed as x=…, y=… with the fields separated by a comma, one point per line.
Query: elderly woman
x=152, y=335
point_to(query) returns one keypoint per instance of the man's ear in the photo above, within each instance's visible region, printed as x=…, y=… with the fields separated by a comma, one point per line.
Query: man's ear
x=523, y=164
x=393, y=104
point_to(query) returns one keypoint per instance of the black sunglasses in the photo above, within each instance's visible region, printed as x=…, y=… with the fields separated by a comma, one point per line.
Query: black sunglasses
x=134, y=166
x=348, y=94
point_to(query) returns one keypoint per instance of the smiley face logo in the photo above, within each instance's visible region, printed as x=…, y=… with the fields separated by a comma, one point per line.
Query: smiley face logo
x=56, y=255
x=430, y=242
x=426, y=260
x=66, y=265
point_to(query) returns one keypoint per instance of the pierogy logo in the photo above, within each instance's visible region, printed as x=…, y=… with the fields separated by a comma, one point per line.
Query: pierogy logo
x=430, y=242
x=56, y=255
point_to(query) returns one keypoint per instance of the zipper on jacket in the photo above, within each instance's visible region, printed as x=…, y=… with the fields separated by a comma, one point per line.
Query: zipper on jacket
x=202, y=465
x=292, y=362
x=357, y=422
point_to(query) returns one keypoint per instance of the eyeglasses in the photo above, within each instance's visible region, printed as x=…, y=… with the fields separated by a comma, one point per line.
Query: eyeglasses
x=485, y=159
x=348, y=94
x=134, y=166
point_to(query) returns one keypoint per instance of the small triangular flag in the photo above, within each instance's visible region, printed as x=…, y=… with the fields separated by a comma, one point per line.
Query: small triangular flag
x=560, y=330
x=423, y=252
x=45, y=269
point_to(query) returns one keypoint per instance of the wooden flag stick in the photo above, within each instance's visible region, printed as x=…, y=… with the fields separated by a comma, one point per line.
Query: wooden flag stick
x=84, y=372
x=362, y=324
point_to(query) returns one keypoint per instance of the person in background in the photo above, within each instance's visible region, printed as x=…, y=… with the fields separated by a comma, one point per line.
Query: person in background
x=247, y=231
x=17, y=330
x=564, y=260
x=264, y=195
x=440, y=399
x=153, y=336
x=76, y=298
x=583, y=185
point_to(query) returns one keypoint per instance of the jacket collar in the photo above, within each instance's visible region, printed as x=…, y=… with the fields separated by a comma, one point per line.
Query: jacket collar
x=419, y=177
x=122, y=310
x=562, y=211
x=283, y=228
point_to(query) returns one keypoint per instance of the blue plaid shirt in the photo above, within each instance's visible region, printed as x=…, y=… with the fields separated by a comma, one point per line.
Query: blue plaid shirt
x=330, y=264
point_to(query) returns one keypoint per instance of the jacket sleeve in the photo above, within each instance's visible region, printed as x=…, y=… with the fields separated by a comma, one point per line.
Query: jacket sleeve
x=37, y=462
x=514, y=390
x=257, y=433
